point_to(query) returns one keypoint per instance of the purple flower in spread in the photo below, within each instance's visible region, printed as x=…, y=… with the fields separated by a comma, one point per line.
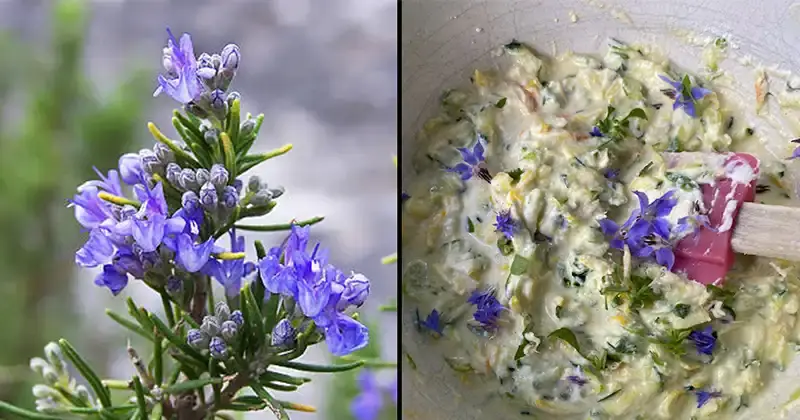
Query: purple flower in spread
x=796, y=152
x=577, y=380
x=704, y=396
x=345, y=335
x=404, y=196
x=704, y=340
x=611, y=173
x=112, y=278
x=505, y=224
x=369, y=403
x=647, y=231
x=181, y=81
x=192, y=257
x=684, y=94
x=488, y=308
x=596, y=132
x=471, y=164
x=433, y=323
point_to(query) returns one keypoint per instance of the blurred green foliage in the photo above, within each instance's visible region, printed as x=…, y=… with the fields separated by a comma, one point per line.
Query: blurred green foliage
x=53, y=130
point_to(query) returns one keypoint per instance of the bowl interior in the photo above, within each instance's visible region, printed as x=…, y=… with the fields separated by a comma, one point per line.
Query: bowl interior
x=443, y=41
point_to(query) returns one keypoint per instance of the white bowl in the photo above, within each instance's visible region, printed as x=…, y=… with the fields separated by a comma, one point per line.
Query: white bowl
x=443, y=41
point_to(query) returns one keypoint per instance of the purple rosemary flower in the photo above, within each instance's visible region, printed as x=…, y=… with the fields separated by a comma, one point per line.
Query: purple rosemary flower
x=345, y=335
x=355, y=293
x=130, y=169
x=277, y=277
x=237, y=317
x=471, y=164
x=191, y=256
x=404, y=196
x=96, y=251
x=595, y=132
x=369, y=403
x=433, y=323
x=283, y=335
x=505, y=224
x=684, y=94
x=229, y=273
x=181, y=81
x=488, y=308
x=577, y=380
x=704, y=396
x=112, y=278
x=611, y=174
x=704, y=340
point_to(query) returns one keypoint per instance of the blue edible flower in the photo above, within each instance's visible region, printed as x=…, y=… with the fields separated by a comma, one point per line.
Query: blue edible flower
x=704, y=396
x=684, y=94
x=505, y=224
x=433, y=323
x=488, y=308
x=471, y=165
x=181, y=81
x=704, y=340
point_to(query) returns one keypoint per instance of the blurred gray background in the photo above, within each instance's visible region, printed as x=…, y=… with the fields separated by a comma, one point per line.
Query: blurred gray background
x=324, y=73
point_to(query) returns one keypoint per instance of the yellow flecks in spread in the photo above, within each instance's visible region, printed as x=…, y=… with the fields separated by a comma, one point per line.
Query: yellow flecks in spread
x=620, y=319
x=533, y=83
x=480, y=79
x=762, y=88
x=464, y=378
x=545, y=128
x=488, y=365
x=540, y=403
x=513, y=195
x=514, y=304
x=444, y=213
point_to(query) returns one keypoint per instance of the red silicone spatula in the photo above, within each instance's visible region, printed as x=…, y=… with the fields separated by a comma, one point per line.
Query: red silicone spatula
x=740, y=226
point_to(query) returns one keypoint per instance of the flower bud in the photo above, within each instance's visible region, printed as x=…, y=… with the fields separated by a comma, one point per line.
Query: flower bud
x=261, y=198
x=46, y=405
x=208, y=196
x=356, y=290
x=277, y=192
x=130, y=168
x=222, y=311
x=38, y=364
x=164, y=154
x=283, y=335
x=83, y=393
x=44, y=391
x=230, y=198
x=254, y=183
x=174, y=174
x=230, y=57
x=150, y=162
x=202, y=176
x=174, y=285
x=236, y=316
x=188, y=180
x=232, y=97
x=218, y=104
x=210, y=325
x=190, y=201
x=197, y=339
x=229, y=330
x=219, y=175
x=218, y=348
x=53, y=354
x=238, y=184
x=247, y=127
x=50, y=375
x=211, y=137
x=205, y=67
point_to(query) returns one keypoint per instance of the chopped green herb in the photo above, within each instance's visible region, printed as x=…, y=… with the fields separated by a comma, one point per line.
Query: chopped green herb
x=749, y=131
x=674, y=145
x=656, y=360
x=514, y=45
x=505, y=245
x=559, y=311
x=567, y=336
x=515, y=175
x=458, y=365
x=681, y=181
x=615, y=128
x=519, y=265
x=625, y=346
x=673, y=341
x=721, y=43
x=470, y=226
x=610, y=395
x=501, y=102
x=681, y=310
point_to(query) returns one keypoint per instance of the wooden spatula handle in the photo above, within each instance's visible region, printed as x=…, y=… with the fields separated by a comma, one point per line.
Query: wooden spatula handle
x=767, y=231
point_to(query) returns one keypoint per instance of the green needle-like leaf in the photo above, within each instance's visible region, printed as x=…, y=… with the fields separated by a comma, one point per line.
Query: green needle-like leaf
x=280, y=227
x=191, y=385
x=233, y=124
x=321, y=368
x=121, y=320
x=249, y=161
x=158, y=361
x=271, y=402
x=25, y=414
x=91, y=377
x=272, y=376
x=181, y=156
x=137, y=386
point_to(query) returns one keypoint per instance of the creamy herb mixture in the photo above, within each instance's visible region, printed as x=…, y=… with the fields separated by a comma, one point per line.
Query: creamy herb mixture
x=513, y=265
